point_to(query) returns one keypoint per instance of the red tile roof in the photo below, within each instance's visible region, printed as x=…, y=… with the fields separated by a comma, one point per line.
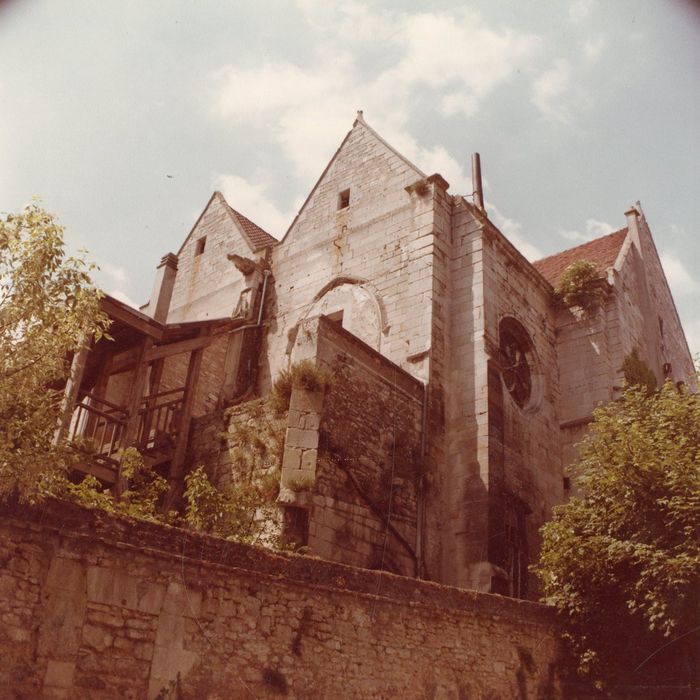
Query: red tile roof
x=258, y=238
x=602, y=252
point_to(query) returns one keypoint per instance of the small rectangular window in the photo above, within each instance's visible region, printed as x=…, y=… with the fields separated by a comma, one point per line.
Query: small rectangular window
x=344, y=199
x=200, y=245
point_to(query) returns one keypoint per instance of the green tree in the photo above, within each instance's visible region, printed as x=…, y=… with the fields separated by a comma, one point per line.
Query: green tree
x=48, y=308
x=621, y=562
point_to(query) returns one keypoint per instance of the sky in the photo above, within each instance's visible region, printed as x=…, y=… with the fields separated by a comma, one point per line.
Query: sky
x=125, y=117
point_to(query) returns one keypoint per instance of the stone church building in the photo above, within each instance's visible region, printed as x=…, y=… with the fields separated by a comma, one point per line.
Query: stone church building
x=460, y=384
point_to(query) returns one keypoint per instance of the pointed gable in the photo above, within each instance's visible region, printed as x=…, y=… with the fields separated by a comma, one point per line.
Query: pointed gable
x=207, y=284
x=602, y=252
x=362, y=168
x=255, y=236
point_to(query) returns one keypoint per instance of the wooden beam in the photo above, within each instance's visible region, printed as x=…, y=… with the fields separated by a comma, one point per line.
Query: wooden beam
x=178, y=461
x=132, y=408
x=161, y=351
x=133, y=319
x=153, y=386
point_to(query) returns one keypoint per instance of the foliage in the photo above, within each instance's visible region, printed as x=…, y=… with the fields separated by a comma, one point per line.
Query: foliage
x=305, y=374
x=621, y=563
x=638, y=373
x=48, y=309
x=140, y=499
x=241, y=512
x=581, y=286
x=301, y=484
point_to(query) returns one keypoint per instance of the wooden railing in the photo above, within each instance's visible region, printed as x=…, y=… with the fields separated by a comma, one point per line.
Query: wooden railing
x=160, y=419
x=97, y=427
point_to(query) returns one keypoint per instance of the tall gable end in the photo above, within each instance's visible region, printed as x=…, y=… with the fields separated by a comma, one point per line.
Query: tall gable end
x=207, y=283
x=364, y=178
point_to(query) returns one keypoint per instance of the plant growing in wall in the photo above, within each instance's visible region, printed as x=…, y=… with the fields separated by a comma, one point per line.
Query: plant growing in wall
x=581, y=287
x=306, y=374
x=621, y=563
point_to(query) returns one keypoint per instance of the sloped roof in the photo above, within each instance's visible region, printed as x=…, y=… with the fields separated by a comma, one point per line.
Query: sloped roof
x=258, y=238
x=602, y=252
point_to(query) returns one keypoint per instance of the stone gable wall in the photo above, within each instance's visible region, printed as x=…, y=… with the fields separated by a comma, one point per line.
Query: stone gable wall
x=375, y=239
x=209, y=285
x=103, y=607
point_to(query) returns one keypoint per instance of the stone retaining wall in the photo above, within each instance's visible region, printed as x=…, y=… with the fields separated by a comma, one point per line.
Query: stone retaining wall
x=94, y=606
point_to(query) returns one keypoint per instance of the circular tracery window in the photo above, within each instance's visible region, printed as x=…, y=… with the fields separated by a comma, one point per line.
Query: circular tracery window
x=516, y=361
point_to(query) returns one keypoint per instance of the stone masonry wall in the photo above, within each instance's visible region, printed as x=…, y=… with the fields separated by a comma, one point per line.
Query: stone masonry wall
x=380, y=238
x=103, y=607
x=525, y=473
x=369, y=461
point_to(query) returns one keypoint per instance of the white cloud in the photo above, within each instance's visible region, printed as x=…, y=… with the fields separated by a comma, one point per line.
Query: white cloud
x=252, y=201
x=513, y=232
x=679, y=279
x=580, y=10
x=551, y=92
x=306, y=108
x=593, y=229
x=115, y=272
x=593, y=49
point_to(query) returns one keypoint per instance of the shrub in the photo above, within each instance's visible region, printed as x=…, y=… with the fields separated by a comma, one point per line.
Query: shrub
x=581, y=286
x=305, y=374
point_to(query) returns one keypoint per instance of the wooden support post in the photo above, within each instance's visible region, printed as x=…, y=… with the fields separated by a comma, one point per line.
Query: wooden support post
x=70, y=394
x=130, y=436
x=178, y=460
x=153, y=386
x=99, y=391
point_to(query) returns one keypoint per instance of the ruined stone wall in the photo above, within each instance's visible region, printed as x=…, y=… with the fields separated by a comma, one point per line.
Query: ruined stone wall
x=228, y=442
x=103, y=607
x=372, y=243
x=209, y=285
x=369, y=462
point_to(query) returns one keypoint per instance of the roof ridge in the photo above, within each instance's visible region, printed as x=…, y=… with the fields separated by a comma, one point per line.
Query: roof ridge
x=582, y=245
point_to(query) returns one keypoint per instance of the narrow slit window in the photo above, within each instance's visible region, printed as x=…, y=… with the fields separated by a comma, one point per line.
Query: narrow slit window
x=344, y=199
x=200, y=245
